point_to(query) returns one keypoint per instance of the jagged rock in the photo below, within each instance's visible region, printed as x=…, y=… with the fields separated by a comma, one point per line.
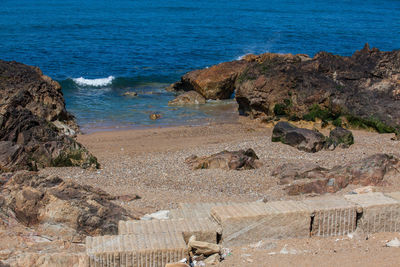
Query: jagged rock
x=213, y=259
x=302, y=139
x=130, y=94
x=290, y=172
x=339, y=137
x=188, y=98
x=37, y=199
x=202, y=248
x=227, y=160
x=35, y=127
x=216, y=82
x=155, y=116
x=372, y=170
x=365, y=87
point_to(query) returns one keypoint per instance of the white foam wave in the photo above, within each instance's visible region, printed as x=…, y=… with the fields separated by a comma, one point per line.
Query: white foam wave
x=94, y=82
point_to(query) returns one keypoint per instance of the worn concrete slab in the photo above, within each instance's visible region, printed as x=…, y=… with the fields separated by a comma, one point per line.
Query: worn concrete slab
x=247, y=223
x=380, y=213
x=195, y=210
x=331, y=216
x=205, y=229
x=135, y=250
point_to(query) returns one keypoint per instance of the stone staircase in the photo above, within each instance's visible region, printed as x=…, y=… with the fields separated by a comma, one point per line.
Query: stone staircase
x=157, y=242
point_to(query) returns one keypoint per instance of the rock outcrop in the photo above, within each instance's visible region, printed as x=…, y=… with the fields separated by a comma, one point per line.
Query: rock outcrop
x=37, y=199
x=216, y=82
x=303, y=139
x=188, y=98
x=373, y=170
x=363, y=88
x=35, y=127
x=361, y=91
x=227, y=160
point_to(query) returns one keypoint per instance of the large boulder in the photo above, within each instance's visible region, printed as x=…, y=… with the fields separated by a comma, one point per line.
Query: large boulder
x=374, y=170
x=188, y=98
x=362, y=90
x=226, y=160
x=37, y=199
x=303, y=139
x=216, y=82
x=36, y=130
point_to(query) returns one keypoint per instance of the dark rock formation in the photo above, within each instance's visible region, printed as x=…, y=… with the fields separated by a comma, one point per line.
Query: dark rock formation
x=37, y=199
x=188, y=98
x=361, y=91
x=227, y=160
x=216, y=82
x=372, y=170
x=339, y=137
x=364, y=89
x=302, y=139
x=35, y=128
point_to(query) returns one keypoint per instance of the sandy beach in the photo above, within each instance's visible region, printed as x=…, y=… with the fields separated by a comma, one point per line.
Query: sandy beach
x=151, y=163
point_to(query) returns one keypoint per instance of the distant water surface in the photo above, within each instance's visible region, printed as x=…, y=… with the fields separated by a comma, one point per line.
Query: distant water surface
x=99, y=49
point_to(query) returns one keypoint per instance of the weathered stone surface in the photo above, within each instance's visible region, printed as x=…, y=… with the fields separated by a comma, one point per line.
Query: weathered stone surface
x=50, y=260
x=35, y=128
x=204, y=229
x=379, y=212
x=303, y=139
x=245, y=223
x=202, y=248
x=331, y=216
x=135, y=250
x=339, y=137
x=289, y=172
x=363, y=87
x=37, y=199
x=188, y=98
x=227, y=160
x=368, y=171
x=197, y=210
x=216, y=82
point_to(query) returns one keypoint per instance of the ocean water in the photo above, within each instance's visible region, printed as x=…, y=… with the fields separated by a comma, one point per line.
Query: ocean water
x=100, y=49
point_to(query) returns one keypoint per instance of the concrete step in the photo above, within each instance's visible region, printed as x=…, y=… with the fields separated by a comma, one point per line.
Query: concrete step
x=380, y=213
x=195, y=210
x=247, y=223
x=154, y=250
x=331, y=216
x=205, y=229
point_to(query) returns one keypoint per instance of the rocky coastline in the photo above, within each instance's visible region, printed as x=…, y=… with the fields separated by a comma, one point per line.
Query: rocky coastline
x=54, y=192
x=359, y=91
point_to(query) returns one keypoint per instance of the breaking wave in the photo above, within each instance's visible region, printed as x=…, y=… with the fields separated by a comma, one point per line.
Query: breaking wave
x=94, y=82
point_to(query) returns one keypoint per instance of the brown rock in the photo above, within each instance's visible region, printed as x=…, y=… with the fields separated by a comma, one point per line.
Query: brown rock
x=214, y=259
x=155, y=116
x=50, y=260
x=227, y=160
x=37, y=199
x=216, y=82
x=130, y=94
x=35, y=128
x=188, y=98
x=369, y=171
x=203, y=248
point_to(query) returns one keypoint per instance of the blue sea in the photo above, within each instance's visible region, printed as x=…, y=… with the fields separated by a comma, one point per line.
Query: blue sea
x=100, y=49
